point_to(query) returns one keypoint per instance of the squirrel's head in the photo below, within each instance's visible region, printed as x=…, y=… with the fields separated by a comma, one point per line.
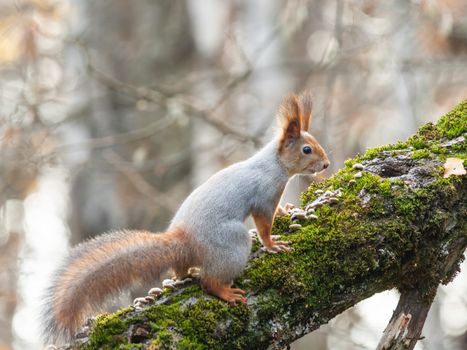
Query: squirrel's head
x=298, y=150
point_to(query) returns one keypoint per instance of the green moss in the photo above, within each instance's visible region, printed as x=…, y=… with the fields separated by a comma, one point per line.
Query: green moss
x=436, y=148
x=201, y=319
x=131, y=346
x=163, y=340
x=186, y=344
x=377, y=152
x=281, y=224
x=429, y=132
x=107, y=332
x=420, y=154
x=418, y=142
x=454, y=123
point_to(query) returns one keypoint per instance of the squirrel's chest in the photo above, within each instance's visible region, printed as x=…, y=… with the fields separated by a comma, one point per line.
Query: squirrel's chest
x=268, y=195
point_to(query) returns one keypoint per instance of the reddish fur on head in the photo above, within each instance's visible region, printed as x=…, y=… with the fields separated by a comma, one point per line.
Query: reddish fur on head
x=295, y=118
x=289, y=119
x=305, y=104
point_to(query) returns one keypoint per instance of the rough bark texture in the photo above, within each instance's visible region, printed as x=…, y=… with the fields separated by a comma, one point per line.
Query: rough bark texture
x=397, y=224
x=406, y=324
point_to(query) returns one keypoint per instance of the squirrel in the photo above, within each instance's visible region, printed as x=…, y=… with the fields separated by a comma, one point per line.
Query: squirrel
x=207, y=232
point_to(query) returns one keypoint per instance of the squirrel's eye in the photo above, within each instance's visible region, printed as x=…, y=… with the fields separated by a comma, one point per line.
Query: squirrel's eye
x=307, y=150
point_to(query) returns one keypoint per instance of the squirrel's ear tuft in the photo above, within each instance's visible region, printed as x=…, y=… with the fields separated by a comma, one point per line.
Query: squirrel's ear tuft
x=289, y=119
x=305, y=105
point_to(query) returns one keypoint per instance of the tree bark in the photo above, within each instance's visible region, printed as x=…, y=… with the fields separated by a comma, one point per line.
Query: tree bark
x=406, y=324
x=394, y=222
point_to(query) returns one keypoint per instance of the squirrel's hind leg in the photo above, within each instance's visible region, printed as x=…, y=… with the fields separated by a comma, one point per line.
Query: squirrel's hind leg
x=223, y=291
x=221, y=265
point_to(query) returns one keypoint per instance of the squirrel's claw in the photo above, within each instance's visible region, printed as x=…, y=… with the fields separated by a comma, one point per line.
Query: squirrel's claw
x=284, y=210
x=238, y=291
x=224, y=292
x=278, y=246
x=236, y=299
x=233, y=295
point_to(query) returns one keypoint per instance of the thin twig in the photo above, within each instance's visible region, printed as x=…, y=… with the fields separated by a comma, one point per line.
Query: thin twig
x=155, y=96
x=157, y=197
x=252, y=63
x=127, y=137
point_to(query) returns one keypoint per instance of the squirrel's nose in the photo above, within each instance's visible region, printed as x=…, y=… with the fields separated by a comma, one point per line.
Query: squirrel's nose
x=326, y=164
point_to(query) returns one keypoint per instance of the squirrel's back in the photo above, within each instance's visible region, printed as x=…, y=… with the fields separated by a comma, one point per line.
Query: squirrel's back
x=231, y=193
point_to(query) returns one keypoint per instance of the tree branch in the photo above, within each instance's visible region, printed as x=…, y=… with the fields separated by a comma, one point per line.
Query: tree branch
x=186, y=107
x=406, y=324
x=394, y=222
x=158, y=198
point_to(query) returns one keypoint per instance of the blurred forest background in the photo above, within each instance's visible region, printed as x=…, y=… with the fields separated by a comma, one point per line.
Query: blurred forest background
x=112, y=111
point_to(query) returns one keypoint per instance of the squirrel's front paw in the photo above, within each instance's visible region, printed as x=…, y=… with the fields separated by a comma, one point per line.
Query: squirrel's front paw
x=277, y=246
x=284, y=210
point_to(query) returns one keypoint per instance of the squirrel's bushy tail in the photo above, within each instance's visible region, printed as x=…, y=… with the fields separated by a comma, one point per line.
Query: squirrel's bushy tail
x=104, y=266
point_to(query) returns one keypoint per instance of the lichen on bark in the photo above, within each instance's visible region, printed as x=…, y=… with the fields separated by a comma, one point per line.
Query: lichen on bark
x=399, y=225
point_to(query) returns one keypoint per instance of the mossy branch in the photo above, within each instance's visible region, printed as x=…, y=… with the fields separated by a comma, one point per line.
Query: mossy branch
x=398, y=224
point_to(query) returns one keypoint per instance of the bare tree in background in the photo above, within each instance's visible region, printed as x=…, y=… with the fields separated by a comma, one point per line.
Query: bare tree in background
x=111, y=185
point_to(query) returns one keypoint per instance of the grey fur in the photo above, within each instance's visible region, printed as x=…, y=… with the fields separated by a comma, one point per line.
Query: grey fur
x=214, y=213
